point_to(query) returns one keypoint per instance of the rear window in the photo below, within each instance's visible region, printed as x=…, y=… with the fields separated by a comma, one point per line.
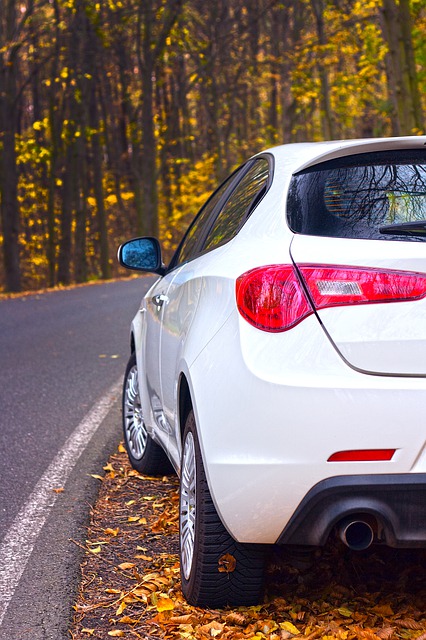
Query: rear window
x=379, y=196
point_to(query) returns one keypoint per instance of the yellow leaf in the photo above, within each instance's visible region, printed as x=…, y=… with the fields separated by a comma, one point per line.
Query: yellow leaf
x=288, y=626
x=165, y=604
x=108, y=467
x=132, y=518
x=347, y=613
x=126, y=565
x=121, y=449
x=117, y=633
x=112, y=532
x=120, y=609
x=128, y=620
x=94, y=475
x=130, y=502
x=141, y=556
x=97, y=549
x=58, y=490
x=89, y=631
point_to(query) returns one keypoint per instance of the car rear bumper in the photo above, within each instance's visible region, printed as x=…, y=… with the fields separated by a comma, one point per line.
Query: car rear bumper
x=395, y=506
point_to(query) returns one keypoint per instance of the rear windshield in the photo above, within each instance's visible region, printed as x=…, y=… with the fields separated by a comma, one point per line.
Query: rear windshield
x=379, y=196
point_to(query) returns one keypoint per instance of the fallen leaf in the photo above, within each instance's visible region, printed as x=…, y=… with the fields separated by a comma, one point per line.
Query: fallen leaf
x=120, y=609
x=212, y=628
x=126, y=565
x=128, y=620
x=227, y=563
x=289, y=626
x=90, y=632
x=236, y=618
x=121, y=448
x=112, y=532
x=59, y=490
x=383, y=610
x=185, y=619
x=117, y=633
x=165, y=604
x=96, y=476
x=97, y=549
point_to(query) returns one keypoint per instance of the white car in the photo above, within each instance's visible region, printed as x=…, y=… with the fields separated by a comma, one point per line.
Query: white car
x=279, y=361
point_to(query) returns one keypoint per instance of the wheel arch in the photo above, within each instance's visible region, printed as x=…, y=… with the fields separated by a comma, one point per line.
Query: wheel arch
x=184, y=402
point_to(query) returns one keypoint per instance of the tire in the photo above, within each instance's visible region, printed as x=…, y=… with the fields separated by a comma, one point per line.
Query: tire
x=145, y=455
x=205, y=544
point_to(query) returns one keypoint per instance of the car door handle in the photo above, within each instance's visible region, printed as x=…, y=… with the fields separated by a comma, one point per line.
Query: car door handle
x=159, y=300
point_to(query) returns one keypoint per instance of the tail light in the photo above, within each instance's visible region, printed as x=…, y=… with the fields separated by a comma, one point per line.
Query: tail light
x=277, y=297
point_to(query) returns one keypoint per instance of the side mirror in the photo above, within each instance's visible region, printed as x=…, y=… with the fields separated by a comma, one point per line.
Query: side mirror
x=141, y=254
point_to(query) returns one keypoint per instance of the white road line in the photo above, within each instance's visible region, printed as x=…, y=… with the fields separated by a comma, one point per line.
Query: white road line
x=21, y=537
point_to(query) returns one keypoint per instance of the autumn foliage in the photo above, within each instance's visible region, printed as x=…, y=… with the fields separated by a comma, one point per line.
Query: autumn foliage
x=118, y=117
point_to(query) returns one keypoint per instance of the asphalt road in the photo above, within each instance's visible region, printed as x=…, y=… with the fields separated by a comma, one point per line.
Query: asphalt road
x=62, y=355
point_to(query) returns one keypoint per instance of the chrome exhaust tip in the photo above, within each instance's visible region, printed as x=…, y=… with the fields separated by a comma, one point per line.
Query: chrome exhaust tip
x=356, y=534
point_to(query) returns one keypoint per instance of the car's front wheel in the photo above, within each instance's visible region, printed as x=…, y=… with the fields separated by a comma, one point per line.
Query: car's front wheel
x=215, y=569
x=145, y=455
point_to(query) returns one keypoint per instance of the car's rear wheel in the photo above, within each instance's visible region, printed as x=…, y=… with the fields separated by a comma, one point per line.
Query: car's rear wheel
x=215, y=569
x=145, y=455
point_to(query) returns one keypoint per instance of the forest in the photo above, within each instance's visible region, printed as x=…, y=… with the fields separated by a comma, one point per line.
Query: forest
x=119, y=117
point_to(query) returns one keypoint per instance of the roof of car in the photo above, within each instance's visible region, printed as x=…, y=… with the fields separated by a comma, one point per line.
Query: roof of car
x=298, y=156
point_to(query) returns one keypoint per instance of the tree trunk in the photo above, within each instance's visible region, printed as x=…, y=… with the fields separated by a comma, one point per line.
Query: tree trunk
x=407, y=117
x=8, y=169
x=98, y=186
x=325, y=105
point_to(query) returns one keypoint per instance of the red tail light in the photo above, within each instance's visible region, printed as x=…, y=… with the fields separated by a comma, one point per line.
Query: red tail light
x=362, y=455
x=273, y=298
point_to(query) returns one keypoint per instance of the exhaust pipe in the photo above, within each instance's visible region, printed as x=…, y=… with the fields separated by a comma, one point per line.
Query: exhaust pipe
x=356, y=534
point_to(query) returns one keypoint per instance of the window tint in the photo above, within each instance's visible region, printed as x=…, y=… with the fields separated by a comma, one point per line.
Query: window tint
x=239, y=205
x=188, y=247
x=378, y=196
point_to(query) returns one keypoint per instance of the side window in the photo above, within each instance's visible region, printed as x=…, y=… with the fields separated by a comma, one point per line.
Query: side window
x=239, y=205
x=188, y=246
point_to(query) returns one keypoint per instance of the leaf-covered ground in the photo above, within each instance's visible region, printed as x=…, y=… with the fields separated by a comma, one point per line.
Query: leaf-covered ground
x=130, y=584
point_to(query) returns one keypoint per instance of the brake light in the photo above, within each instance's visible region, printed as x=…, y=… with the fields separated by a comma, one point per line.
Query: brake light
x=273, y=297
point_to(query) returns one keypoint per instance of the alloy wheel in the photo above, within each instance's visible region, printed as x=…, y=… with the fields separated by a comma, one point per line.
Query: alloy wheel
x=187, y=505
x=134, y=426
